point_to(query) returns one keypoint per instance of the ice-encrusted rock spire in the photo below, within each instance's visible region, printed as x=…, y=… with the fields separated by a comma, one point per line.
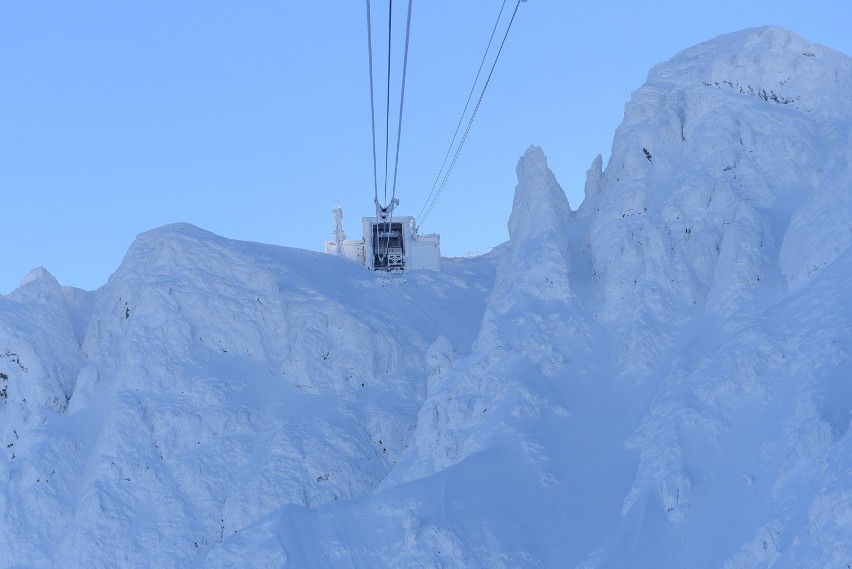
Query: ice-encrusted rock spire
x=536, y=268
x=539, y=256
x=524, y=325
x=540, y=205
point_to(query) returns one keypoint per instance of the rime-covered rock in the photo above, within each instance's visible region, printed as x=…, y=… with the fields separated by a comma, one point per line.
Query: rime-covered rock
x=660, y=378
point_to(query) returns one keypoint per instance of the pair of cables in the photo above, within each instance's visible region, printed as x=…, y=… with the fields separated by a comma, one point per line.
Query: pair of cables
x=448, y=164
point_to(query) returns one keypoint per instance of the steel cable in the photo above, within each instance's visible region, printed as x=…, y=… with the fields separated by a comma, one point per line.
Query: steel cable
x=428, y=208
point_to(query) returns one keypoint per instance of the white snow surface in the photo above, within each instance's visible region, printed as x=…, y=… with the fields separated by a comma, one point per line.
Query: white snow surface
x=660, y=378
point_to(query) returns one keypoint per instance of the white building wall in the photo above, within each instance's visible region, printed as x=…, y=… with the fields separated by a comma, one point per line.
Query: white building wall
x=424, y=252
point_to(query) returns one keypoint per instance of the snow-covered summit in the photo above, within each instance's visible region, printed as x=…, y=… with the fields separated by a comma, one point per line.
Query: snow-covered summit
x=658, y=379
x=716, y=188
x=770, y=63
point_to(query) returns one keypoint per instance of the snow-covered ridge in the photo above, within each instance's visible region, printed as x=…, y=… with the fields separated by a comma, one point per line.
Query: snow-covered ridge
x=660, y=378
x=193, y=370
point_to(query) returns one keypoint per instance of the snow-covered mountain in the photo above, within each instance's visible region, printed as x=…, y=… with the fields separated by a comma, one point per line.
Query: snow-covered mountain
x=659, y=378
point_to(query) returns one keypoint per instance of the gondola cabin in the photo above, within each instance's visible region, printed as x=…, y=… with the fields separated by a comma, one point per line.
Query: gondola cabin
x=388, y=246
x=391, y=245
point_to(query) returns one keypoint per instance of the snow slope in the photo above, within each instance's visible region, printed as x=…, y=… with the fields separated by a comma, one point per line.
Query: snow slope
x=659, y=378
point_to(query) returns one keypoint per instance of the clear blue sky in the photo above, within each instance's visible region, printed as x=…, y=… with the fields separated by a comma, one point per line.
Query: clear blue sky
x=250, y=118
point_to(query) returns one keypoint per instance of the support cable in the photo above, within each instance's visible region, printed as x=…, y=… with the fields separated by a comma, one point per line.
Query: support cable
x=372, y=102
x=428, y=208
x=387, y=100
x=402, y=98
x=464, y=111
